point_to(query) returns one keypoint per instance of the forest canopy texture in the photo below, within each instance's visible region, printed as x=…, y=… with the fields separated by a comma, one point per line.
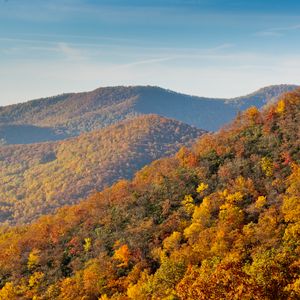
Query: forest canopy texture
x=39, y=178
x=220, y=221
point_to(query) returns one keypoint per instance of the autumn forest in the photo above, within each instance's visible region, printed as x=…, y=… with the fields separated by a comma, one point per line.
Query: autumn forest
x=216, y=217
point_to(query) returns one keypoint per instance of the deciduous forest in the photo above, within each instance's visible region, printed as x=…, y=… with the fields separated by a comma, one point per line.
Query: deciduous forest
x=218, y=221
x=38, y=178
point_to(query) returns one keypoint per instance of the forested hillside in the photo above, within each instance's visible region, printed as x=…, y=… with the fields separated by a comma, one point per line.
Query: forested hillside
x=220, y=221
x=70, y=114
x=38, y=178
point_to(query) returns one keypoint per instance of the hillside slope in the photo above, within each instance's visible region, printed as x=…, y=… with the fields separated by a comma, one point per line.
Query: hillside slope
x=38, y=178
x=218, y=222
x=71, y=114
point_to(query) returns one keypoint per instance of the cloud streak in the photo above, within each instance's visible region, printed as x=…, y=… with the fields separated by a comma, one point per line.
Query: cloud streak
x=279, y=31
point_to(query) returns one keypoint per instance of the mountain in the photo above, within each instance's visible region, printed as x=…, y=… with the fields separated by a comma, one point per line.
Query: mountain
x=38, y=178
x=68, y=115
x=219, y=221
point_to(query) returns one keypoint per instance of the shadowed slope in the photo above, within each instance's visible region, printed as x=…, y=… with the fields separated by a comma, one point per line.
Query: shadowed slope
x=71, y=114
x=38, y=178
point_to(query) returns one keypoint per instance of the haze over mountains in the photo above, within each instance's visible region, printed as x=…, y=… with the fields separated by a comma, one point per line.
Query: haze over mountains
x=67, y=115
x=38, y=178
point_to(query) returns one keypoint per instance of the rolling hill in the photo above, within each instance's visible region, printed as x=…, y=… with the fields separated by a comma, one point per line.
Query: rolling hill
x=38, y=178
x=68, y=115
x=219, y=221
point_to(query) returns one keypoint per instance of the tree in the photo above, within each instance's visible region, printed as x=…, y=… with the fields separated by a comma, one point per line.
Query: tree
x=122, y=254
x=33, y=259
x=8, y=292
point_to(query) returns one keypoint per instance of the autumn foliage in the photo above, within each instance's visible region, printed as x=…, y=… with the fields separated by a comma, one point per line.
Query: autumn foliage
x=220, y=221
x=39, y=178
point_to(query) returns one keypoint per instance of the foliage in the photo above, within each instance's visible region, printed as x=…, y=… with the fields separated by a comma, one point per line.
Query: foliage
x=241, y=241
x=39, y=178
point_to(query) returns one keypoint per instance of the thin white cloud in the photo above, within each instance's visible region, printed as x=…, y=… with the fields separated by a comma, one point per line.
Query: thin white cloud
x=180, y=54
x=70, y=52
x=123, y=55
x=100, y=41
x=277, y=31
x=146, y=61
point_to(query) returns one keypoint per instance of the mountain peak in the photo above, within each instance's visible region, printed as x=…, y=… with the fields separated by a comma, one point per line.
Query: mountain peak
x=68, y=115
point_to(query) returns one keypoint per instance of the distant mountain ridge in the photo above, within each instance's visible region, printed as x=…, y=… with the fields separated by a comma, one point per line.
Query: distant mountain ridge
x=38, y=178
x=70, y=114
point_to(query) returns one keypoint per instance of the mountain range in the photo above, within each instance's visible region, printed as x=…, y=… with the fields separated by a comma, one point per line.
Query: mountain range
x=57, y=151
x=220, y=220
x=38, y=178
x=68, y=115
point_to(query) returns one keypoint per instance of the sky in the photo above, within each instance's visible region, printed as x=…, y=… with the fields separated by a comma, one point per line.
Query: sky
x=214, y=48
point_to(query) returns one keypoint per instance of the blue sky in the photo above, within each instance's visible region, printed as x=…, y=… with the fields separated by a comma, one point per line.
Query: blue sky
x=220, y=48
